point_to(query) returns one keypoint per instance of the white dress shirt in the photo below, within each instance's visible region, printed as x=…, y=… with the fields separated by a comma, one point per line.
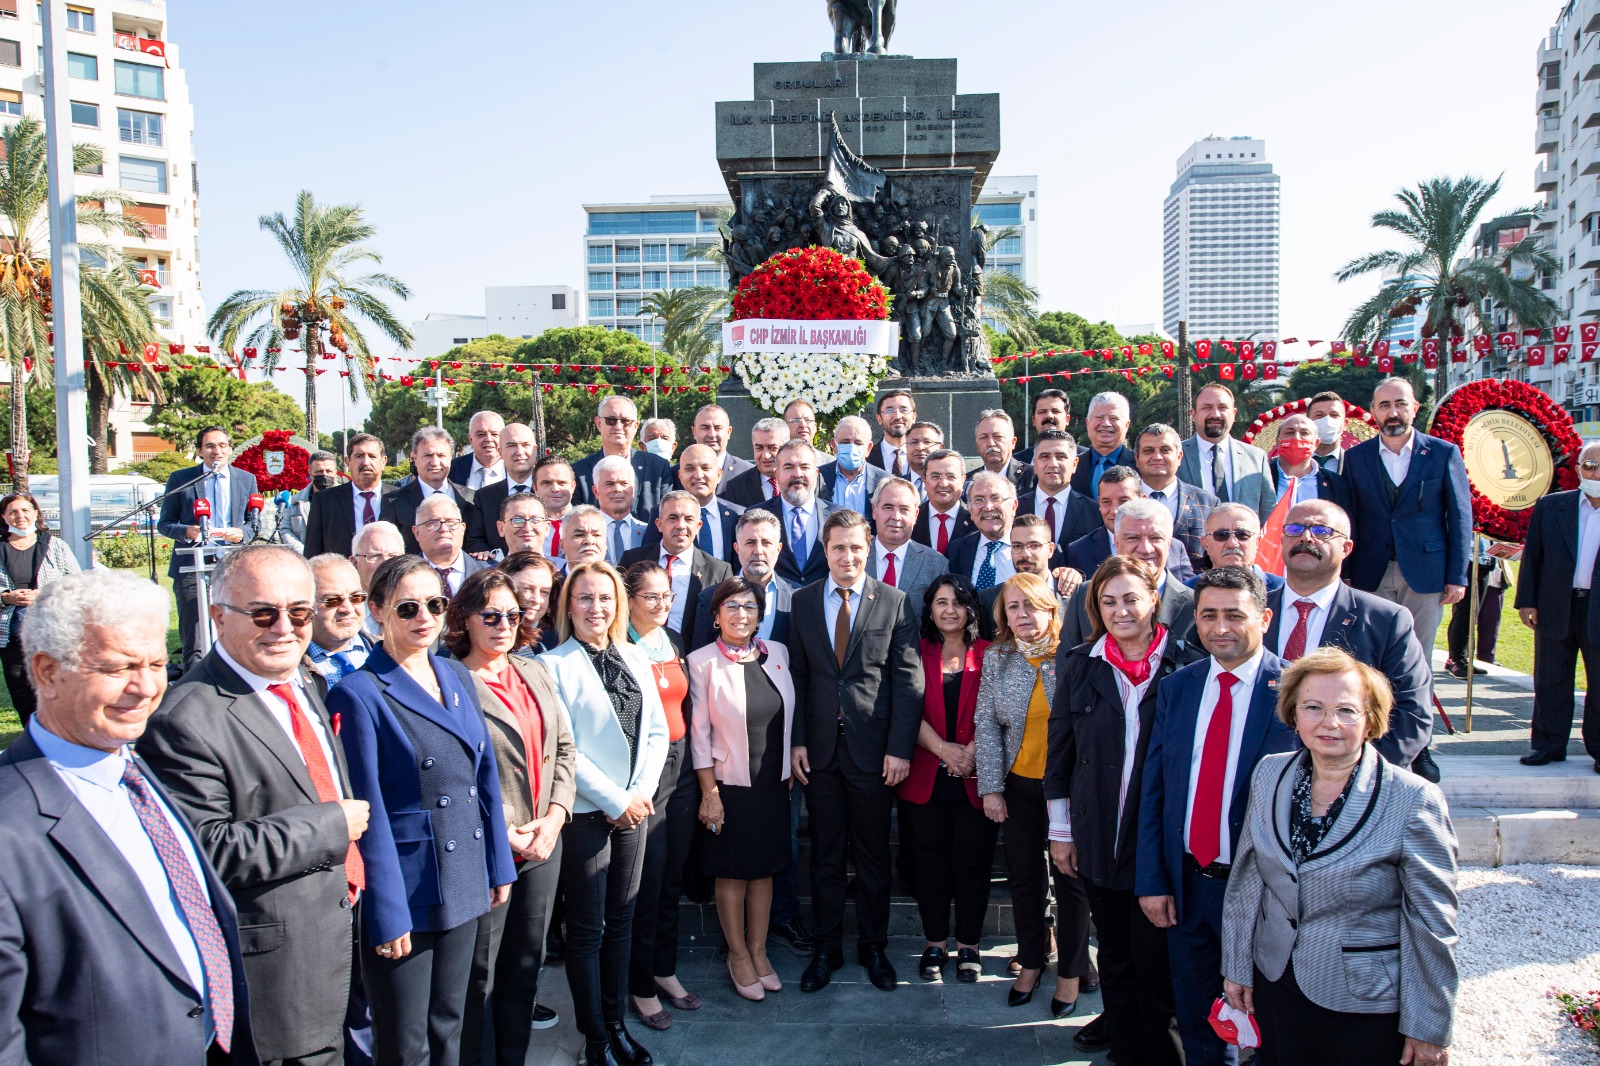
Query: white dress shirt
x=681, y=571
x=887, y=450
x=444, y=490
x=280, y=710
x=454, y=574
x=358, y=506
x=1398, y=464
x=881, y=555
x=1243, y=688
x=1316, y=621
x=486, y=475
x=831, y=603
x=1169, y=495
x=808, y=519
x=1588, y=541
x=950, y=526
x=1004, y=570
x=1207, y=481
x=1041, y=504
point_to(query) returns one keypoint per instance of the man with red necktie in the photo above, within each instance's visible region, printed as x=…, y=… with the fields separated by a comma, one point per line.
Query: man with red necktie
x=1215, y=720
x=247, y=751
x=942, y=520
x=897, y=560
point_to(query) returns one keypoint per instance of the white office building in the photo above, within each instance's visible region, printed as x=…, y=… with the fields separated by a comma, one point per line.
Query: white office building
x=1220, y=241
x=518, y=312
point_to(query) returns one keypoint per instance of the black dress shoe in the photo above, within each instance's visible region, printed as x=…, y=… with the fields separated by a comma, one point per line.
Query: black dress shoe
x=969, y=966
x=931, y=967
x=1096, y=1036
x=598, y=1053
x=1424, y=766
x=1059, y=1009
x=1089, y=985
x=1597, y=766
x=794, y=937
x=1019, y=999
x=820, y=971
x=1539, y=758
x=879, y=970
x=624, y=1048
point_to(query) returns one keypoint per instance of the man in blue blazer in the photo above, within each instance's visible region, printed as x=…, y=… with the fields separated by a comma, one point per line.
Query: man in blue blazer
x=700, y=475
x=801, y=515
x=617, y=423
x=228, y=490
x=1159, y=454
x=1212, y=451
x=1105, y=425
x=850, y=481
x=1219, y=715
x=1411, y=509
x=118, y=943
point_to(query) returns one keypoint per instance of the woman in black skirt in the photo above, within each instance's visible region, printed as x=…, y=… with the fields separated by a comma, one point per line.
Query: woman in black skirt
x=743, y=699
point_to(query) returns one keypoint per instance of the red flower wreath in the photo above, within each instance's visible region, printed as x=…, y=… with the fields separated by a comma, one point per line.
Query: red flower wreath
x=1352, y=413
x=296, y=473
x=1491, y=394
x=811, y=284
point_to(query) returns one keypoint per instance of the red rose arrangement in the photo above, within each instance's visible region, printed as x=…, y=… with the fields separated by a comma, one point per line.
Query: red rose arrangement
x=296, y=473
x=1269, y=441
x=811, y=284
x=1492, y=394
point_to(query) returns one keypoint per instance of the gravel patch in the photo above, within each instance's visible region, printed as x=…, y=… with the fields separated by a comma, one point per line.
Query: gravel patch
x=1525, y=930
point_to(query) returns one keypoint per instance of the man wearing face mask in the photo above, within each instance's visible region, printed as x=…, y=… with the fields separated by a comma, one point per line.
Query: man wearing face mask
x=1327, y=413
x=850, y=481
x=659, y=436
x=1295, y=463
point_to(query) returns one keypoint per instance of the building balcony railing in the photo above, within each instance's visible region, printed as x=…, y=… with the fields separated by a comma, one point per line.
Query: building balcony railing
x=1545, y=177
x=150, y=140
x=1547, y=134
x=155, y=232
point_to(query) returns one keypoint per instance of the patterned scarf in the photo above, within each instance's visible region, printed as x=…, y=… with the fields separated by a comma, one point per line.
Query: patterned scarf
x=1137, y=670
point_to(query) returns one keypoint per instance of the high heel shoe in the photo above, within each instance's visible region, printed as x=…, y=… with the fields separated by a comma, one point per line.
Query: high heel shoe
x=770, y=981
x=754, y=993
x=1015, y=998
x=1059, y=1009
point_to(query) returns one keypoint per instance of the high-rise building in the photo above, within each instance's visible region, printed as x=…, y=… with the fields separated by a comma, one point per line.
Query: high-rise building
x=519, y=312
x=1220, y=241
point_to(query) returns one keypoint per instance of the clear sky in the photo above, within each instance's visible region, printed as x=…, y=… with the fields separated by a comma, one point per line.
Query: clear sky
x=472, y=132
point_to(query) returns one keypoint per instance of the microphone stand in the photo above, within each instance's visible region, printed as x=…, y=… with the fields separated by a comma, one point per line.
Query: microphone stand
x=150, y=528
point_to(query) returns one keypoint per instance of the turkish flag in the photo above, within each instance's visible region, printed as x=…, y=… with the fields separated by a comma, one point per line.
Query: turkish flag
x=1381, y=349
x=1481, y=343
x=1431, y=347
x=1247, y=371
x=152, y=352
x=176, y=349
x=1227, y=346
x=1361, y=348
x=1408, y=356
x=1386, y=364
x=1588, y=352
x=1202, y=349
x=1562, y=334
x=1530, y=334
x=1361, y=359
x=1458, y=355
x=1506, y=340
x=1562, y=351
x=1269, y=371
x=1430, y=360
x=1166, y=349
x=1536, y=355
x=1225, y=371
x=1337, y=347
x=1127, y=351
x=1145, y=349
x=1589, y=331
x=1269, y=349
x=1247, y=350
x=150, y=278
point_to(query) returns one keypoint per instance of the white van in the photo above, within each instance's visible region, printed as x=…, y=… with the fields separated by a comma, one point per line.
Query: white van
x=110, y=497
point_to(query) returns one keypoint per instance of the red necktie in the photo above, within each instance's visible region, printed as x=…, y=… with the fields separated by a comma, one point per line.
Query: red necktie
x=1205, y=819
x=555, y=538
x=774, y=483
x=888, y=572
x=670, y=560
x=1297, y=637
x=1050, y=516
x=944, y=532
x=305, y=738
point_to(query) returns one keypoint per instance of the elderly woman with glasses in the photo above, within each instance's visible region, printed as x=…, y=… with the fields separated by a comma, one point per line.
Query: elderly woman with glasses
x=436, y=852
x=619, y=730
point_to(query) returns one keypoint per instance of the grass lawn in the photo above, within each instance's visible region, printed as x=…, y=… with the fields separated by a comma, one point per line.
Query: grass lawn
x=1514, y=649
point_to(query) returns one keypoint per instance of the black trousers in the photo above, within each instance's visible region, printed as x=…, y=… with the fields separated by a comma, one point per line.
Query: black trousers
x=1135, y=979
x=1027, y=838
x=668, y=835
x=849, y=806
x=1297, y=1032
x=15, y=662
x=951, y=845
x=418, y=1002
x=1488, y=624
x=600, y=865
x=785, y=887
x=1555, y=663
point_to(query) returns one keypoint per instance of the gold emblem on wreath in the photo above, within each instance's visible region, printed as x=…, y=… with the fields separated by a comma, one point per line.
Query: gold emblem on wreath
x=1507, y=459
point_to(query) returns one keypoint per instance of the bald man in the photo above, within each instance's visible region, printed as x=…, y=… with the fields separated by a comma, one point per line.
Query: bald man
x=519, y=454
x=850, y=480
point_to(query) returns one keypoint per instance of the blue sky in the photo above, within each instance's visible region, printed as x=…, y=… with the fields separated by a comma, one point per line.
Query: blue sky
x=473, y=140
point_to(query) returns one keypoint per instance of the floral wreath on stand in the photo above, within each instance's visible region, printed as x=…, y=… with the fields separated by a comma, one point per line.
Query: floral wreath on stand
x=1359, y=425
x=279, y=460
x=1466, y=402
x=811, y=284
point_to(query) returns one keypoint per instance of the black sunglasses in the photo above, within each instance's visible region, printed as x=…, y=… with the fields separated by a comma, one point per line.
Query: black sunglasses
x=492, y=618
x=267, y=617
x=1222, y=536
x=1295, y=529
x=356, y=599
x=406, y=610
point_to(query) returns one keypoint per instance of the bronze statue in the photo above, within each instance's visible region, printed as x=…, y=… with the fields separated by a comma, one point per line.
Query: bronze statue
x=861, y=26
x=834, y=220
x=943, y=286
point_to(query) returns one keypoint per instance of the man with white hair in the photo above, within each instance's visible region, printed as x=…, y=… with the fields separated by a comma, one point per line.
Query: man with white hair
x=440, y=532
x=759, y=484
x=338, y=647
x=1144, y=532
x=482, y=466
x=1232, y=538
x=615, y=491
x=802, y=560
x=245, y=746
x=1106, y=424
x=984, y=557
x=616, y=422
x=430, y=463
x=996, y=438
x=118, y=942
x=583, y=536
x=519, y=454
x=376, y=544
x=850, y=481
x=659, y=436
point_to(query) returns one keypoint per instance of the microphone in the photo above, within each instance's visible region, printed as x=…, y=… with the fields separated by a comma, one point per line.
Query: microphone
x=253, y=506
x=202, y=517
x=283, y=497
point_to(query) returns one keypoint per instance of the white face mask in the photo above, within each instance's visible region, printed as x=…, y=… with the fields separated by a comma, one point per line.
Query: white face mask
x=659, y=446
x=19, y=531
x=1328, y=429
x=1590, y=487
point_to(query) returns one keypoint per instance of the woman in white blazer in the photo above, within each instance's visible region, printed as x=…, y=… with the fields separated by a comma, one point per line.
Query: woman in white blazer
x=743, y=698
x=619, y=733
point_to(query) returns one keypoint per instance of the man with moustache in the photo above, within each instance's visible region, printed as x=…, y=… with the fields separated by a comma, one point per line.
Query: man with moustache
x=518, y=456
x=897, y=560
x=996, y=438
x=1296, y=464
x=615, y=493
x=942, y=520
x=896, y=412
x=1052, y=409
x=700, y=475
x=1315, y=608
x=1031, y=553
x=1143, y=530
x=758, y=485
x=337, y=515
x=554, y=484
x=1411, y=513
x=802, y=513
x=1214, y=462
x=1233, y=536
x=616, y=422
x=1107, y=423
x=689, y=570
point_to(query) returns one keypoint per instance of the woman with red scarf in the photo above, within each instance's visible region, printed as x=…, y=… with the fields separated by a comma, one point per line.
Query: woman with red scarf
x=1099, y=732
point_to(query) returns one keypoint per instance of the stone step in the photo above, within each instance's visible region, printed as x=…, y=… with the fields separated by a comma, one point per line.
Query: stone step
x=1501, y=836
x=1501, y=781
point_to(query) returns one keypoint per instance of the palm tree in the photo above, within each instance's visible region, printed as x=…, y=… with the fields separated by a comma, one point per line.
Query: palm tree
x=118, y=303
x=692, y=319
x=1438, y=218
x=322, y=243
x=1007, y=299
x=114, y=310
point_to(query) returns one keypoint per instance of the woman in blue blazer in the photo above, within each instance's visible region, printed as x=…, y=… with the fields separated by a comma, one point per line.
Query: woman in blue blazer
x=619, y=731
x=435, y=850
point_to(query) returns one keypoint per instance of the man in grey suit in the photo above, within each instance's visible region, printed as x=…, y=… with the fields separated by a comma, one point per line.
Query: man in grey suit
x=440, y=532
x=1144, y=532
x=712, y=428
x=615, y=489
x=1158, y=452
x=897, y=560
x=1230, y=470
x=245, y=747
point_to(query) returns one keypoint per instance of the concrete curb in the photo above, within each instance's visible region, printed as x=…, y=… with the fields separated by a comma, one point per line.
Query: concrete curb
x=1503, y=836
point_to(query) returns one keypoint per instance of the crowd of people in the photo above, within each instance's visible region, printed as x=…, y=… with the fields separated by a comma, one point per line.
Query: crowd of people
x=514, y=706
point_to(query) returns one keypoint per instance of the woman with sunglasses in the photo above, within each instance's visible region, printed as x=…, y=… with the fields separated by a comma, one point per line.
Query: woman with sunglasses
x=653, y=969
x=533, y=751
x=436, y=851
x=32, y=559
x=538, y=584
x=619, y=731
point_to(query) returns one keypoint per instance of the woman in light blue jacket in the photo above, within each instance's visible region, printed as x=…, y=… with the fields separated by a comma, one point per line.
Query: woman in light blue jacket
x=619, y=731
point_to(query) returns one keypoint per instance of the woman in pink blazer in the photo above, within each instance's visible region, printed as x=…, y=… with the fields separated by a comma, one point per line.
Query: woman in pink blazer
x=743, y=699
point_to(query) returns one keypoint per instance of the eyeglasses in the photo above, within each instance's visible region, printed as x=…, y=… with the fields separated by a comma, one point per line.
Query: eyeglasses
x=654, y=599
x=406, y=610
x=741, y=608
x=619, y=420
x=443, y=525
x=492, y=619
x=583, y=603
x=329, y=603
x=375, y=557
x=267, y=617
x=526, y=520
x=1295, y=529
x=1341, y=715
x=1222, y=536
x=1590, y=465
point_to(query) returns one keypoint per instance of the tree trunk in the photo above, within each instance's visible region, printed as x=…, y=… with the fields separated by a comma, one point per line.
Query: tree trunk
x=313, y=336
x=538, y=427
x=99, y=417
x=19, y=429
x=1185, y=384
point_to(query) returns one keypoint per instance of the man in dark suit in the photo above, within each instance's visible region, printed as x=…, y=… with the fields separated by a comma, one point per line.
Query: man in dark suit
x=227, y=491
x=483, y=465
x=896, y=410
x=984, y=557
x=942, y=520
x=245, y=746
x=1317, y=609
x=1220, y=715
x=1159, y=452
x=1052, y=409
x=802, y=514
x=996, y=438
x=1069, y=513
x=617, y=422
x=336, y=515
x=896, y=559
x=713, y=429
x=519, y=454
x=759, y=484
x=1118, y=485
x=700, y=475
x=758, y=542
x=1297, y=463
x=1233, y=537
x=858, y=692
x=1032, y=552
x=689, y=570
x=430, y=464
x=850, y=481
x=440, y=532
x=118, y=943
x=1411, y=509
x=1143, y=532
x=1106, y=425
x=1554, y=599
